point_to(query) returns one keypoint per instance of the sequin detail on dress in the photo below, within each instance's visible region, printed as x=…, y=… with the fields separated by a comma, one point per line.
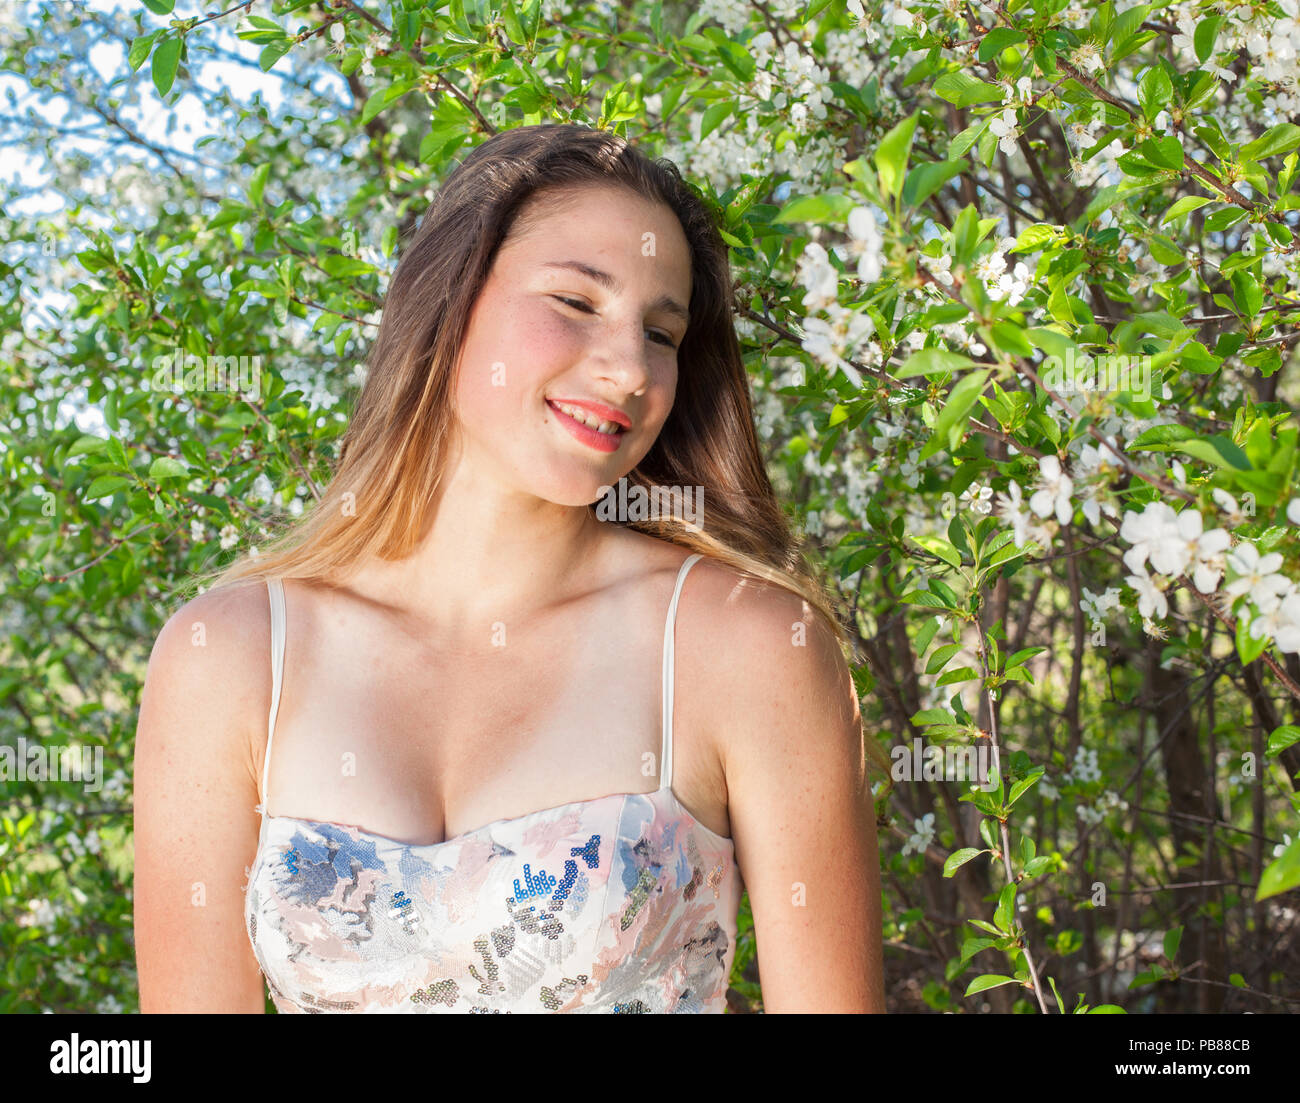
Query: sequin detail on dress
x=623, y=904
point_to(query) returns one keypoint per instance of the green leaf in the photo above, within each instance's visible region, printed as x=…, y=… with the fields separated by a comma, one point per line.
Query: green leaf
x=377, y=101
x=973, y=946
x=1035, y=237
x=941, y=656
x=140, y=48
x=165, y=467
x=1150, y=976
x=1172, y=938
x=345, y=267
x=967, y=138
x=1207, y=30
x=1248, y=647
x=892, y=153
x=166, y=60
x=1247, y=293
x=924, y=180
x=1282, y=874
x=987, y=981
x=1218, y=450
x=1279, y=740
x=1154, y=91
x=273, y=52
x=926, y=635
x=1050, y=341
x=1019, y=788
x=1164, y=250
x=1004, y=916
x=961, y=674
x=257, y=185
x=160, y=7
x=816, y=209
x=998, y=40
x=228, y=215
x=1058, y=305
x=86, y=444
x=937, y=545
x=959, y=858
x=1165, y=152
x=104, y=486
x=1276, y=139
x=962, y=89
x=930, y=361
x=924, y=597
x=1011, y=338
x=1023, y=656
x=714, y=116
x=952, y=419
x=1183, y=206
x=1107, y=1009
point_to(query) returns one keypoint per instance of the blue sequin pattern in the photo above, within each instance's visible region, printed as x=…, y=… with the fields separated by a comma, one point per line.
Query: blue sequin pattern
x=624, y=904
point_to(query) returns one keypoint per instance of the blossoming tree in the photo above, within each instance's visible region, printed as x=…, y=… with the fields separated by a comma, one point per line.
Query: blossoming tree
x=1017, y=286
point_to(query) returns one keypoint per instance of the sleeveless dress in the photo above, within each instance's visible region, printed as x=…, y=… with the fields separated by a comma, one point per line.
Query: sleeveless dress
x=624, y=903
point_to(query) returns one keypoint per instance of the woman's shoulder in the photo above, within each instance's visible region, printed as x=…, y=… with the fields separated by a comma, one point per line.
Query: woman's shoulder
x=761, y=669
x=233, y=611
x=215, y=650
x=742, y=627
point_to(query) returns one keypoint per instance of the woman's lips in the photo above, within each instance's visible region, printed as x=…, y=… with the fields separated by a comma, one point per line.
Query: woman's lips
x=601, y=442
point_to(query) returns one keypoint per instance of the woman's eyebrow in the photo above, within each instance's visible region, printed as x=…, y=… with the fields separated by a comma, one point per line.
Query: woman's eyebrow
x=665, y=303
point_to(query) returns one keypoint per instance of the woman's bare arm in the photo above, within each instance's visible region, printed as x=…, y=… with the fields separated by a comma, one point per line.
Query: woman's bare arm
x=195, y=790
x=788, y=727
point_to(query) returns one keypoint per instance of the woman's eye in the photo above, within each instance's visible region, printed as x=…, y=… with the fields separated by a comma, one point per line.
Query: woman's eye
x=577, y=304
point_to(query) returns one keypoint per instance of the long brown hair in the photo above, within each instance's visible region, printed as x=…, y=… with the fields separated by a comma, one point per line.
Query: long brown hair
x=393, y=453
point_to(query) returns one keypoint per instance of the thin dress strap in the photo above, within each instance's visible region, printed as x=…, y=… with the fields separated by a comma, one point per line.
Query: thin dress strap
x=666, y=747
x=276, y=590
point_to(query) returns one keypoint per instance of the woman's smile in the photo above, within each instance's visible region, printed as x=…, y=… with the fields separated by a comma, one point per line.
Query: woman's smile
x=591, y=424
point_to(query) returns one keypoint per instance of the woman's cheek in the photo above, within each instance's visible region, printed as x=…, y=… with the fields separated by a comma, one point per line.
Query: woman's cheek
x=541, y=345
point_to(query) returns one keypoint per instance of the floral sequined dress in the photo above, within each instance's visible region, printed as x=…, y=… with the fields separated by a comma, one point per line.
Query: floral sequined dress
x=625, y=903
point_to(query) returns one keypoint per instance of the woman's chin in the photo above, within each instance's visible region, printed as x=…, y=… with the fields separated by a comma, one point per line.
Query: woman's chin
x=573, y=492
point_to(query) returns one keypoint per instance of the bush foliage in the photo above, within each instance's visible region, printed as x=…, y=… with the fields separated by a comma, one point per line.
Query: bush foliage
x=1017, y=286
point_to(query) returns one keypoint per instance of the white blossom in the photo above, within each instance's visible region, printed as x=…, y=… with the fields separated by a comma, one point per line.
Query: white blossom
x=1228, y=504
x=1054, y=490
x=1099, y=605
x=1256, y=575
x=1006, y=129
x=1151, y=598
x=1088, y=58
x=922, y=835
x=1009, y=509
x=978, y=498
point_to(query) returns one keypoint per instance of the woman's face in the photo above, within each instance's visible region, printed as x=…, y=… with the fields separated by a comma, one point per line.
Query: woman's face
x=569, y=365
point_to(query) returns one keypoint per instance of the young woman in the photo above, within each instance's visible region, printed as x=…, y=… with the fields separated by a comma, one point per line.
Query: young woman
x=506, y=755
